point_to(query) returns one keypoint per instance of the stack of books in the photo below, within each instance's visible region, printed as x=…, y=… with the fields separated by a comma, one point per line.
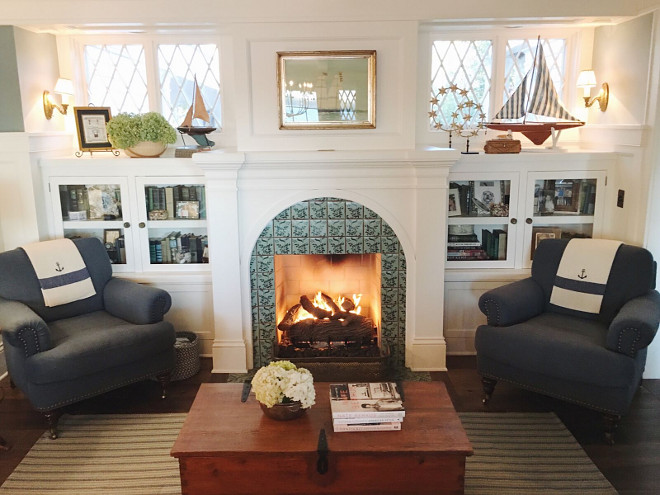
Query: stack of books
x=366, y=406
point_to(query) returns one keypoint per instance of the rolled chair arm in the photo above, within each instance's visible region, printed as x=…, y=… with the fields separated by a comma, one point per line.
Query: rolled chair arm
x=139, y=304
x=22, y=328
x=635, y=325
x=512, y=303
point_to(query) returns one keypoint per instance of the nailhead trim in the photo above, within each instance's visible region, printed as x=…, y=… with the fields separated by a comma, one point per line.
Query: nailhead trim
x=498, y=315
x=33, y=332
x=633, y=347
x=558, y=396
x=102, y=390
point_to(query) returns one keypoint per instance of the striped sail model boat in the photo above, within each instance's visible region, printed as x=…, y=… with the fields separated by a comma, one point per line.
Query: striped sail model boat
x=541, y=100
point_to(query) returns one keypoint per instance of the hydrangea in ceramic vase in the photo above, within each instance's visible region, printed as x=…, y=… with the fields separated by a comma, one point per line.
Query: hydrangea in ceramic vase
x=283, y=390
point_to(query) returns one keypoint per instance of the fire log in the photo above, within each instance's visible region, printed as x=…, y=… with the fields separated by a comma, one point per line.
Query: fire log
x=328, y=300
x=308, y=305
x=348, y=305
x=289, y=318
x=323, y=330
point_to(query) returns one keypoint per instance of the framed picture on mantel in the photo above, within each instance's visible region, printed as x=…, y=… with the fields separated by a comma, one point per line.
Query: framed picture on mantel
x=92, y=134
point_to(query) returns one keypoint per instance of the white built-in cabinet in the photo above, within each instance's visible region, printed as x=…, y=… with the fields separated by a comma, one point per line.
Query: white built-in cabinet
x=151, y=216
x=500, y=207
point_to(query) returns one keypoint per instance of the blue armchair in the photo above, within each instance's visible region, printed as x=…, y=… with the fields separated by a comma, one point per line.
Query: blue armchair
x=63, y=354
x=592, y=359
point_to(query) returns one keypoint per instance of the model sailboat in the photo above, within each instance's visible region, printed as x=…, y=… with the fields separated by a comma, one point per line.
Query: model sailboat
x=542, y=100
x=197, y=110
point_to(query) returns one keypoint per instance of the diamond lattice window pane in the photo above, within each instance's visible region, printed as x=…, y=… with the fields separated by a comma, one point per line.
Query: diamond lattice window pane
x=116, y=77
x=466, y=65
x=520, y=59
x=178, y=66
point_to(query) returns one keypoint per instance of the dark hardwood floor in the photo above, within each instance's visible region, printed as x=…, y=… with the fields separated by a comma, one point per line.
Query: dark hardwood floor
x=632, y=465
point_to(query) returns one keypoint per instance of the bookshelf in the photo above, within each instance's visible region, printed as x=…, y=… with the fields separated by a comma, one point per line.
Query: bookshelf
x=148, y=223
x=497, y=219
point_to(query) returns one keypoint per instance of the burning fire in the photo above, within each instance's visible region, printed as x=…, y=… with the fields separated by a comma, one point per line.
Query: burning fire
x=340, y=304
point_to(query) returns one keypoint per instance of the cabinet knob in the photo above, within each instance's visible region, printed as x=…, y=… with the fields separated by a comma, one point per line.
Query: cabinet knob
x=528, y=221
x=514, y=221
x=142, y=225
x=127, y=225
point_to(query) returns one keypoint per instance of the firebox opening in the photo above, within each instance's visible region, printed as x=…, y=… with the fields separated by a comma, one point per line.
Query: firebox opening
x=331, y=324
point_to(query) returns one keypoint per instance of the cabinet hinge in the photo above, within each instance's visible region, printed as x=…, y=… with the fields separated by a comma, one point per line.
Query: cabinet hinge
x=49, y=187
x=606, y=180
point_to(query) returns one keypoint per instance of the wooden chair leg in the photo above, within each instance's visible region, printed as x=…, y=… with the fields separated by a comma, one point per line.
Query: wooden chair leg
x=164, y=380
x=489, y=388
x=52, y=418
x=610, y=423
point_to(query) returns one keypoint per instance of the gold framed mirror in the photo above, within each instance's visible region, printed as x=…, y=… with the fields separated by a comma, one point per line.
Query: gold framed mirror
x=327, y=89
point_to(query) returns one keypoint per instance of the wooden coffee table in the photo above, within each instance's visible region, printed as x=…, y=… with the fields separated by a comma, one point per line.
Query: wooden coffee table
x=230, y=447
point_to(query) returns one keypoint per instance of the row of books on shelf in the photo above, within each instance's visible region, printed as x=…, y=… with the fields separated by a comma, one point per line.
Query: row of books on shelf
x=178, y=248
x=373, y=406
x=90, y=202
x=468, y=247
x=187, y=202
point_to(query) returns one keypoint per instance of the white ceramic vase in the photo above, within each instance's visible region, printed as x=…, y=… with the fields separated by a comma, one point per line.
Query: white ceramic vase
x=146, y=149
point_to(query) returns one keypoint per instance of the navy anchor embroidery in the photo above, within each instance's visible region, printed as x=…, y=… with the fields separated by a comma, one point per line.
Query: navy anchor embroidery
x=58, y=267
x=582, y=275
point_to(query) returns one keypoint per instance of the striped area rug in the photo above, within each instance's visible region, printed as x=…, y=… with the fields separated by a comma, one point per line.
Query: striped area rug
x=123, y=454
x=515, y=453
x=527, y=453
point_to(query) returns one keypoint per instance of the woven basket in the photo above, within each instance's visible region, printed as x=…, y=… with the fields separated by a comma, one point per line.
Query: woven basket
x=187, y=356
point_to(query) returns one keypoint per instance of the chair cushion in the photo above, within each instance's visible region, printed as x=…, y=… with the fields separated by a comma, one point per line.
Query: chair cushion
x=560, y=346
x=93, y=342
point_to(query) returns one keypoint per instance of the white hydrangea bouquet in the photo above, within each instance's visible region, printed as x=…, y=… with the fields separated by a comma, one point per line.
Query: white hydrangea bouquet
x=281, y=382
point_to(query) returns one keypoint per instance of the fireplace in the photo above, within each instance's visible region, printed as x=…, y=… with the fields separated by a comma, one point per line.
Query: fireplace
x=327, y=305
x=339, y=248
x=385, y=210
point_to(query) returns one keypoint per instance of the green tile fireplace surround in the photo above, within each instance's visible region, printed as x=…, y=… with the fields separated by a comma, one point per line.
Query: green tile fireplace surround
x=327, y=226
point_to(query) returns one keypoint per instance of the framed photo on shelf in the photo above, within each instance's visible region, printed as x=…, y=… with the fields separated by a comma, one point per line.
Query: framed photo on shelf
x=454, y=203
x=488, y=192
x=187, y=209
x=90, y=123
x=541, y=233
x=567, y=196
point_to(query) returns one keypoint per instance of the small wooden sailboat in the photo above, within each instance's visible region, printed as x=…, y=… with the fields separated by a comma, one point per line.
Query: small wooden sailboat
x=197, y=110
x=542, y=100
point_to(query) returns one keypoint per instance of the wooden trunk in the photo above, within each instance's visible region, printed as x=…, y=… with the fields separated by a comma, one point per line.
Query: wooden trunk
x=230, y=447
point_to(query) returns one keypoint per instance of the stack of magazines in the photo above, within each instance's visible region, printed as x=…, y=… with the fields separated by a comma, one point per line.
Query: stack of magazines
x=366, y=406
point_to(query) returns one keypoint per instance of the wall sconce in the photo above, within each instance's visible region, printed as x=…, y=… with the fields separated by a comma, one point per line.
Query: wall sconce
x=63, y=87
x=587, y=80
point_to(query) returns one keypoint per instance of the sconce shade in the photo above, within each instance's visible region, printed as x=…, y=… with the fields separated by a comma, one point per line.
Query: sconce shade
x=64, y=87
x=586, y=79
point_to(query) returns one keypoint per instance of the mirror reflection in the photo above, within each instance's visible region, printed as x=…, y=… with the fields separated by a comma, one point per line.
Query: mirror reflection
x=320, y=90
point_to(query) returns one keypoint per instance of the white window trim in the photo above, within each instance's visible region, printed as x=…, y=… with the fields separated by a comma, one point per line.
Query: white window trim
x=150, y=43
x=430, y=33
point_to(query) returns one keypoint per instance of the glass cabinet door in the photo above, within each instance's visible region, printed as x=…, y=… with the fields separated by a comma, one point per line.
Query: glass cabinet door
x=95, y=208
x=482, y=218
x=172, y=221
x=562, y=206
